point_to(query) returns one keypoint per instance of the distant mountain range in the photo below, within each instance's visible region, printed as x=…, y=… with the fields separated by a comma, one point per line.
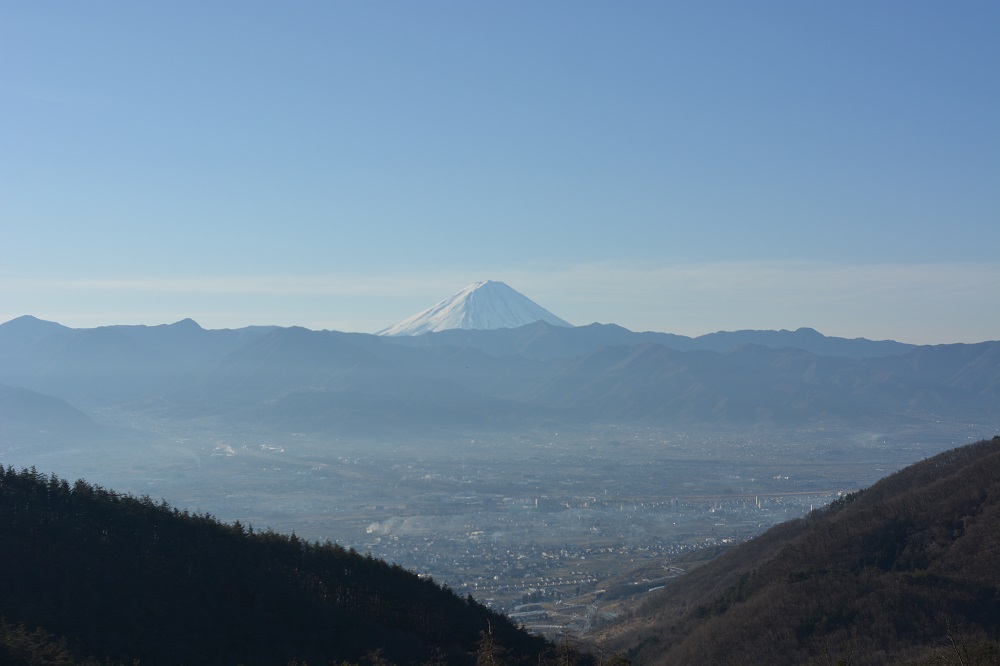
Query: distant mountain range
x=463, y=318
x=294, y=379
x=907, y=571
x=541, y=341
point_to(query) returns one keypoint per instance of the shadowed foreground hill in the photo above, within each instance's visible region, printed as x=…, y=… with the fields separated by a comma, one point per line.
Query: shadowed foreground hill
x=86, y=573
x=906, y=571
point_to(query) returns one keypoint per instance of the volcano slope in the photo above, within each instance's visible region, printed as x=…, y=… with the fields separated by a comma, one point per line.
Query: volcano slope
x=906, y=571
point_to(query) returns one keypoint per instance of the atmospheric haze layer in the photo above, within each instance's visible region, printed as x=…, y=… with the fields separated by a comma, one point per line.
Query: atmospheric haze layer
x=514, y=461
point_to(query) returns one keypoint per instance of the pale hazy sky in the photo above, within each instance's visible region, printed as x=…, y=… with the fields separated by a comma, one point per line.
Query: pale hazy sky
x=675, y=166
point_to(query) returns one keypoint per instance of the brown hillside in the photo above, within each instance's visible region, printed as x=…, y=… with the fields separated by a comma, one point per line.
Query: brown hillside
x=907, y=570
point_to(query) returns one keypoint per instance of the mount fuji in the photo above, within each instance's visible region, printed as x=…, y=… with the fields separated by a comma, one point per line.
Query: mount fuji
x=483, y=305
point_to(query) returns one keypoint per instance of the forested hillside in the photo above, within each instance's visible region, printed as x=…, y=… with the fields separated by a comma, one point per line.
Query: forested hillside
x=86, y=573
x=907, y=571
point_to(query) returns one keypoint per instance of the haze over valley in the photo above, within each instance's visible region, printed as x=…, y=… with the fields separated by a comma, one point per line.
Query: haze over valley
x=515, y=464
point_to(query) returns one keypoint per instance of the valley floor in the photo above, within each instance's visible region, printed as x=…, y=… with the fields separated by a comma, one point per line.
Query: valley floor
x=541, y=517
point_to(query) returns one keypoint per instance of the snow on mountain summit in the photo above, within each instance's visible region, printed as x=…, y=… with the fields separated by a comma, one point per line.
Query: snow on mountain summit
x=483, y=305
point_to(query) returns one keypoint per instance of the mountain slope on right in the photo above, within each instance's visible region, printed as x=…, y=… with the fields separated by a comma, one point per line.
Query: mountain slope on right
x=907, y=571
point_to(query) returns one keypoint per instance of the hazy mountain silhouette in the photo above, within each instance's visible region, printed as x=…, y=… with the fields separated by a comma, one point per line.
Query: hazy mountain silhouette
x=349, y=382
x=541, y=340
x=96, y=366
x=25, y=415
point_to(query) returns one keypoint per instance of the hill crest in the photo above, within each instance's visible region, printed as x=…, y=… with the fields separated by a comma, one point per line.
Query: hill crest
x=93, y=572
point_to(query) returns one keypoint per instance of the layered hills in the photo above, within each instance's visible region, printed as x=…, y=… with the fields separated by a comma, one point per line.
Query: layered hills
x=328, y=381
x=906, y=571
x=24, y=413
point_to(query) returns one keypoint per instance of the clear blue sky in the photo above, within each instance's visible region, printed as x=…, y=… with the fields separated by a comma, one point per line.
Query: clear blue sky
x=675, y=166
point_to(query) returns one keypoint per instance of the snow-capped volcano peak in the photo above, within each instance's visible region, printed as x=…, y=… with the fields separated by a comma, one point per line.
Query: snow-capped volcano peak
x=483, y=305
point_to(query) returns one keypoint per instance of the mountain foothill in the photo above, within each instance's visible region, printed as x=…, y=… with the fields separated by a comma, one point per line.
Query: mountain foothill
x=90, y=576
x=904, y=572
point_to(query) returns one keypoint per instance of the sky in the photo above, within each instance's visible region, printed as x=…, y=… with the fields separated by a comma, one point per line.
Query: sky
x=684, y=167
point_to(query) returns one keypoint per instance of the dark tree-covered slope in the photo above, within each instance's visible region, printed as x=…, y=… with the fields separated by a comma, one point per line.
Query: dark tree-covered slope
x=88, y=573
x=907, y=571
